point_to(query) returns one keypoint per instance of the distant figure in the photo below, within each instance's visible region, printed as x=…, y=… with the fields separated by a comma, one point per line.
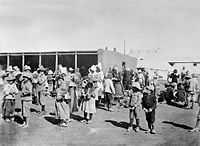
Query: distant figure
x=174, y=76
x=127, y=78
x=183, y=73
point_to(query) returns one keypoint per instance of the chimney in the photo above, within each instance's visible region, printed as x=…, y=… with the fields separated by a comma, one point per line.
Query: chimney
x=114, y=49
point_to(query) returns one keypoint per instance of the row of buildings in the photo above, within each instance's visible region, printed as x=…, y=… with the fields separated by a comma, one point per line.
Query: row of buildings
x=75, y=59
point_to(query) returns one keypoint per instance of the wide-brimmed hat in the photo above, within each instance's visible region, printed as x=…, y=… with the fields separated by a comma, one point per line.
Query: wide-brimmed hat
x=188, y=76
x=41, y=68
x=27, y=75
x=93, y=68
x=9, y=69
x=16, y=68
x=136, y=85
x=26, y=67
x=99, y=65
x=10, y=78
x=50, y=72
x=150, y=87
x=71, y=69
x=60, y=77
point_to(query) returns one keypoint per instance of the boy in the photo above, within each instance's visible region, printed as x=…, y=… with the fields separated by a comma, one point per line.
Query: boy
x=195, y=129
x=134, y=104
x=108, y=90
x=149, y=106
x=26, y=98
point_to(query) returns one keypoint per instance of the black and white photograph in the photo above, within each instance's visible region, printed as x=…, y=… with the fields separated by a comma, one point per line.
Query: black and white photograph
x=99, y=73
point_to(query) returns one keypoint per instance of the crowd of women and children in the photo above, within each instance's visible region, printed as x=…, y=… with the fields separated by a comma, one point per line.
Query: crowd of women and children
x=72, y=93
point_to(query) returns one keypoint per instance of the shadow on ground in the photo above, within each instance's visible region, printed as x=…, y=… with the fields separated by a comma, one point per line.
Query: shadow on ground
x=177, y=105
x=177, y=125
x=122, y=124
x=76, y=117
x=52, y=120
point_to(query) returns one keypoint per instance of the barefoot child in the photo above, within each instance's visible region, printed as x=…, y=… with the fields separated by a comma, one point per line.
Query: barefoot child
x=26, y=98
x=10, y=90
x=134, y=105
x=149, y=106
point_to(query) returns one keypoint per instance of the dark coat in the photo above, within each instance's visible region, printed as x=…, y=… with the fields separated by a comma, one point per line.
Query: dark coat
x=149, y=101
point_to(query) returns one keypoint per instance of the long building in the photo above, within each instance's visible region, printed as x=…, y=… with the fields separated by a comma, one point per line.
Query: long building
x=75, y=59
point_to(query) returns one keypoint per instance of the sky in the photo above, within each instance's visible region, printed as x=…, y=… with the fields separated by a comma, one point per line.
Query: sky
x=47, y=25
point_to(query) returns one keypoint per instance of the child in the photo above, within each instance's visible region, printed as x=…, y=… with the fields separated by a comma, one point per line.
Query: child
x=61, y=105
x=134, y=104
x=26, y=98
x=149, y=106
x=108, y=91
x=195, y=129
x=10, y=90
x=88, y=106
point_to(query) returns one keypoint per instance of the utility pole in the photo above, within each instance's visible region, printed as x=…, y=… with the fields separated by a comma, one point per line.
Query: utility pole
x=124, y=46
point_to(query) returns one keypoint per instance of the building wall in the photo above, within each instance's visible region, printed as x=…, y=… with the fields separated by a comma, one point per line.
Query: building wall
x=111, y=58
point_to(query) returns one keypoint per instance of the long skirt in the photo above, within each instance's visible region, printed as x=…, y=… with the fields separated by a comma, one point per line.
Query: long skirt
x=118, y=90
x=62, y=110
x=8, y=108
x=74, y=102
x=88, y=106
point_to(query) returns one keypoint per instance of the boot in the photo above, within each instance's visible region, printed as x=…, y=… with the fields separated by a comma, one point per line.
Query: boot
x=149, y=128
x=137, y=125
x=130, y=126
x=153, y=129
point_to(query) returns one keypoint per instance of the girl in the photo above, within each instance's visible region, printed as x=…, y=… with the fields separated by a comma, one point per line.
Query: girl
x=62, y=102
x=88, y=106
x=10, y=90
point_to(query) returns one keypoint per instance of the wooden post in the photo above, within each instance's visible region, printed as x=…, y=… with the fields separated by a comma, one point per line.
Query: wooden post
x=75, y=60
x=8, y=59
x=23, y=61
x=40, y=59
x=56, y=63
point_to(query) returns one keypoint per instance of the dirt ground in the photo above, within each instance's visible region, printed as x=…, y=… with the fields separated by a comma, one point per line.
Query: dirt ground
x=108, y=128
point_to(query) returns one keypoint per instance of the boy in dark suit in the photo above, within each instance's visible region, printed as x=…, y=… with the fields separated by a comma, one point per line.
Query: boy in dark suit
x=149, y=105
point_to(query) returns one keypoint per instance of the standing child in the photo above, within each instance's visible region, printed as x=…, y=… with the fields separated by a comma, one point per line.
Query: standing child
x=108, y=91
x=196, y=128
x=26, y=98
x=135, y=105
x=62, y=103
x=149, y=106
x=88, y=106
x=10, y=90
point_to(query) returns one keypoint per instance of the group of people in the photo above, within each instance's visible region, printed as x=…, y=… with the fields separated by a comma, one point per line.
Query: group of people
x=72, y=92
x=182, y=87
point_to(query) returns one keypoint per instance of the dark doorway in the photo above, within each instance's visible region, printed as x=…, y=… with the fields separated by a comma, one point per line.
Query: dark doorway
x=3, y=62
x=32, y=61
x=49, y=61
x=67, y=60
x=85, y=61
x=16, y=61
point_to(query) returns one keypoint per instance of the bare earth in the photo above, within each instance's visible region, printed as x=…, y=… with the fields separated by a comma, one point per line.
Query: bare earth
x=108, y=128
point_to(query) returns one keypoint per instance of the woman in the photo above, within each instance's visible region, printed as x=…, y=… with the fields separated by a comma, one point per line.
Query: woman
x=117, y=78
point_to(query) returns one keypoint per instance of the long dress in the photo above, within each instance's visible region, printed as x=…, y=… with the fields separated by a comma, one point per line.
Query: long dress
x=62, y=108
x=117, y=84
x=88, y=104
x=73, y=94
